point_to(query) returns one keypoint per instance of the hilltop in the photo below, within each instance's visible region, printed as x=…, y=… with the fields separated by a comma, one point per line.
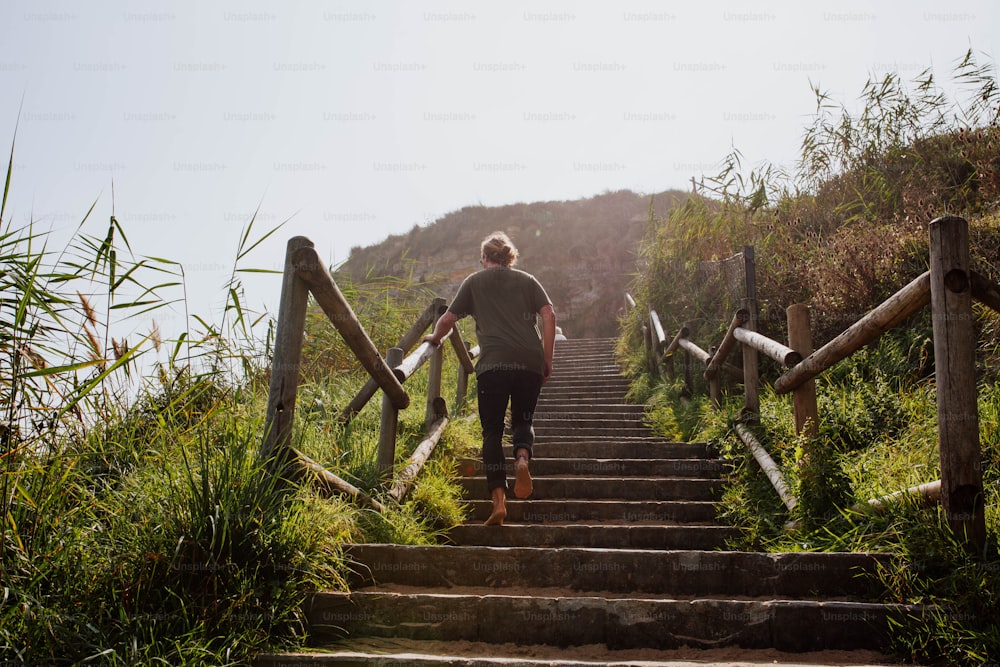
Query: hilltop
x=583, y=251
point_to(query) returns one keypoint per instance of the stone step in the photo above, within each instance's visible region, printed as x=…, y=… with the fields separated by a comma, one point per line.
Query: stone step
x=587, y=395
x=583, y=413
x=555, y=406
x=602, y=393
x=621, y=571
x=595, y=359
x=581, y=363
x=396, y=652
x=611, y=467
x=623, y=448
x=652, y=623
x=570, y=432
x=595, y=535
x=591, y=511
x=567, y=368
x=586, y=381
x=584, y=417
x=609, y=488
x=607, y=344
x=644, y=438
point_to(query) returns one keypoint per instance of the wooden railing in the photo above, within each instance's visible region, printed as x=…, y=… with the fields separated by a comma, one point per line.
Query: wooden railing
x=305, y=274
x=948, y=287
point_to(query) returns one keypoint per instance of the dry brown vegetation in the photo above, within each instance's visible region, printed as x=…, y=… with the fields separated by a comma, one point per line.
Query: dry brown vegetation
x=583, y=251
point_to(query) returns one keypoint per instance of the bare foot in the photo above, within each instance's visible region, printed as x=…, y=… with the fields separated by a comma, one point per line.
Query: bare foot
x=499, y=508
x=522, y=485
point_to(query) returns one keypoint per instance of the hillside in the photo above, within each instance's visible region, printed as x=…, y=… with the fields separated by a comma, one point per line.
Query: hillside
x=583, y=251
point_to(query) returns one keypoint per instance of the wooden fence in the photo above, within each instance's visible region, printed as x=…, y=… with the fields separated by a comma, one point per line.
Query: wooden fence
x=948, y=288
x=305, y=274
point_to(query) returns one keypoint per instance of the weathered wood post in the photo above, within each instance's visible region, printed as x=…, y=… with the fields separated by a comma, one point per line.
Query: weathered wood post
x=386, y=457
x=629, y=304
x=751, y=372
x=657, y=341
x=804, y=396
x=668, y=354
x=955, y=373
x=434, y=400
x=647, y=346
x=688, y=373
x=714, y=382
x=287, y=358
x=462, y=383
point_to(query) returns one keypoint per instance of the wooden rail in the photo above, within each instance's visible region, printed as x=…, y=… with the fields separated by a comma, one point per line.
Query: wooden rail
x=948, y=288
x=305, y=274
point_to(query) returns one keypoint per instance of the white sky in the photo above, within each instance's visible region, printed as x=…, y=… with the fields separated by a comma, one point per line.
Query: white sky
x=360, y=119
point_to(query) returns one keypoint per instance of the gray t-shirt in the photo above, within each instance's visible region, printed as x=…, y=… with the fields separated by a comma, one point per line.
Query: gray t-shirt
x=504, y=301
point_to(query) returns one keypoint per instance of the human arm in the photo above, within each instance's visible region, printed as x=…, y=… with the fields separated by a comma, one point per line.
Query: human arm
x=442, y=328
x=548, y=316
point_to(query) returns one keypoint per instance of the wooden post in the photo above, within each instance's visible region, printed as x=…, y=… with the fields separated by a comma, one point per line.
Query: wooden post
x=804, y=397
x=688, y=373
x=714, y=383
x=287, y=357
x=462, y=383
x=647, y=346
x=955, y=373
x=721, y=352
x=668, y=354
x=386, y=457
x=434, y=387
x=657, y=340
x=751, y=372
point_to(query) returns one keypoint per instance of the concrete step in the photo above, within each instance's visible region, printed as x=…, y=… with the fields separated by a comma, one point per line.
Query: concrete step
x=594, y=363
x=604, y=511
x=610, y=467
x=553, y=406
x=584, y=394
x=584, y=365
x=586, y=381
x=595, y=535
x=629, y=572
x=549, y=430
x=631, y=448
x=586, y=417
x=396, y=652
x=556, y=437
x=609, y=488
x=652, y=623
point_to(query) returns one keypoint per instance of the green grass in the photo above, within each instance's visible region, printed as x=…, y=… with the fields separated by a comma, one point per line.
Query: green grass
x=137, y=523
x=841, y=233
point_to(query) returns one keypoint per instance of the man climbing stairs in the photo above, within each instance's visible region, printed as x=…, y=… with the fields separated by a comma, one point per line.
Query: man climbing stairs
x=616, y=557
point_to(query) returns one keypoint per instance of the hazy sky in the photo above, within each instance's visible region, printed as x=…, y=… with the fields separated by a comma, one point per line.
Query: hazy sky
x=358, y=120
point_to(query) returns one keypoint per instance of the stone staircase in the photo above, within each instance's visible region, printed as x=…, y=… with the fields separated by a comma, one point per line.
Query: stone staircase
x=616, y=558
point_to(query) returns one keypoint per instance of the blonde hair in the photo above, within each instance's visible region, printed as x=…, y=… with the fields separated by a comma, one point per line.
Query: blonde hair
x=499, y=249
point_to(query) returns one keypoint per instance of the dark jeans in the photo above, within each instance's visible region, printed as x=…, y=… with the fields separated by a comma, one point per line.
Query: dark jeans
x=495, y=390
